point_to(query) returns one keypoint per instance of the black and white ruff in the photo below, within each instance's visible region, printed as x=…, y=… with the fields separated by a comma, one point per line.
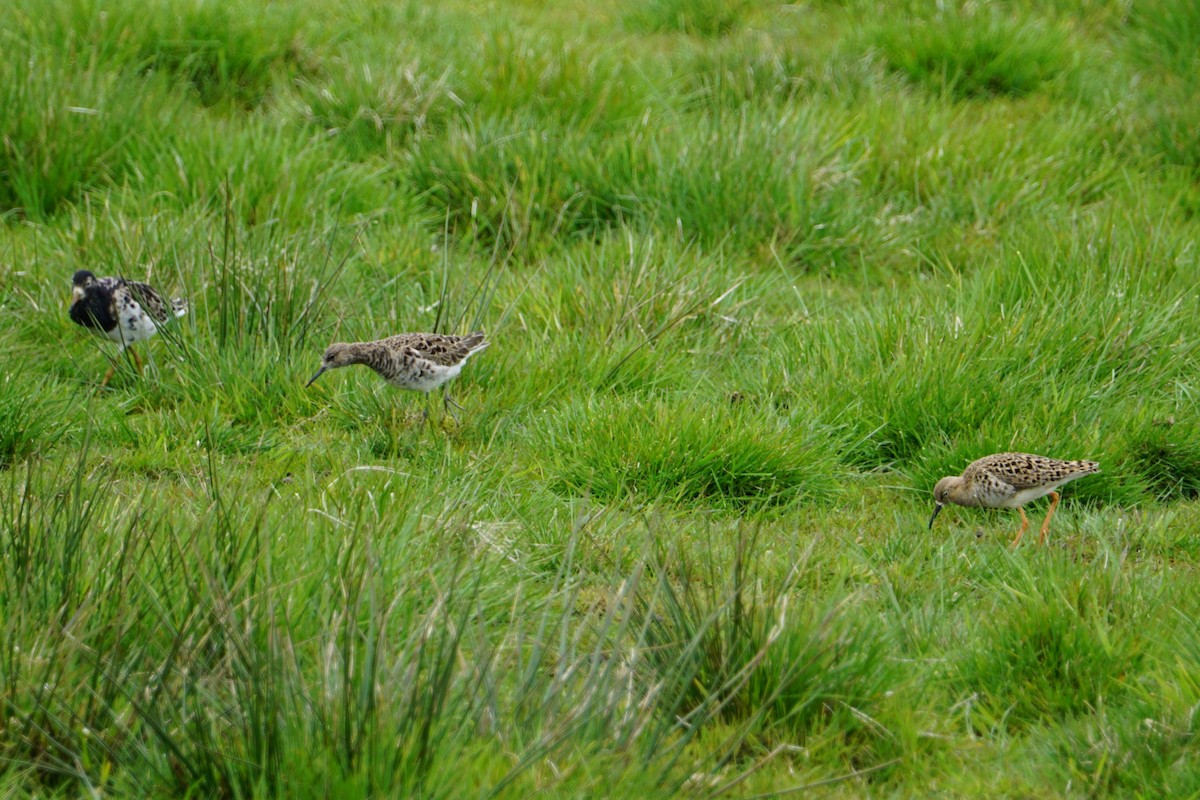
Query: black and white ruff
x=125, y=312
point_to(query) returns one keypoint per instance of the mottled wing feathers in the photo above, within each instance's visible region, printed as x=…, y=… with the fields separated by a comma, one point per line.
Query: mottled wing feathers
x=150, y=300
x=1027, y=471
x=441, y=349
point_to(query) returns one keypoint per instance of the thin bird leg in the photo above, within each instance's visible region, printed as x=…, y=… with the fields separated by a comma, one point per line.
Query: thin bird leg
x=136, y=359
x=1049, y=514
x=112, y=367
x=425, y=413
x=1024, y=526
x=448, y=401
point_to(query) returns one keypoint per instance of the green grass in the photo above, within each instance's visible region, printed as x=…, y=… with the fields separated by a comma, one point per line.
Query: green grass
x=977, y=56
x=648, y=449
x=702, y=18
x=755, y=276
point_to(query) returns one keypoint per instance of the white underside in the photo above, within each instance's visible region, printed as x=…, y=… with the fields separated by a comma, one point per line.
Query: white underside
x=132, y=326
x=435, y=378
x=133, y=323
x=1023, y=496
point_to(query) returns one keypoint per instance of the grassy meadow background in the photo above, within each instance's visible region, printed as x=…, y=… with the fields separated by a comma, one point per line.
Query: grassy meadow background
x=756, y=275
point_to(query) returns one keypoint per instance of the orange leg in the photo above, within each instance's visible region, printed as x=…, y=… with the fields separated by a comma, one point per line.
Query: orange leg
x=1024, y=526
x=1049, y=514
x=136, y=360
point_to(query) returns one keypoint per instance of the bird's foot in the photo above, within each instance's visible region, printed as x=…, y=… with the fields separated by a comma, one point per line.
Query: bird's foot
x=448, y=401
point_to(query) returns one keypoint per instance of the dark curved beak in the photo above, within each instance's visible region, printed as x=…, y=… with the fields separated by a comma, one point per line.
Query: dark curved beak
x=314, y=377
x=936, y=509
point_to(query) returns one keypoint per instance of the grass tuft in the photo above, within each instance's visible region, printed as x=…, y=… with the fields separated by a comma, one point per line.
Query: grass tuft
x=1057, y=649
x=369, y=112
x=645, y=450
x=1166, y=33
x=1167, y=455
x=30, y=421
x=66, y=131
x=703, y=18
x=560, y=83
x=224, y=56
x=980, y=55
x=734, y=647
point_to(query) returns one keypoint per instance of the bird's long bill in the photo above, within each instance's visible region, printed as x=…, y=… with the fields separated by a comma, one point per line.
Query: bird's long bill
x=314, y=377
x=936, y=509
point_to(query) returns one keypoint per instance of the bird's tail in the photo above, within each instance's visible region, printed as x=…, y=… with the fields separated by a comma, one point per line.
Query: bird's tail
x=1085, y=467
x=475, y=342
x=179, y=306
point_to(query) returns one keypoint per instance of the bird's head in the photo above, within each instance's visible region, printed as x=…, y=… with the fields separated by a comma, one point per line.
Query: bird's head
x=80, y=282
x=944, y=492
x=336, y=355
